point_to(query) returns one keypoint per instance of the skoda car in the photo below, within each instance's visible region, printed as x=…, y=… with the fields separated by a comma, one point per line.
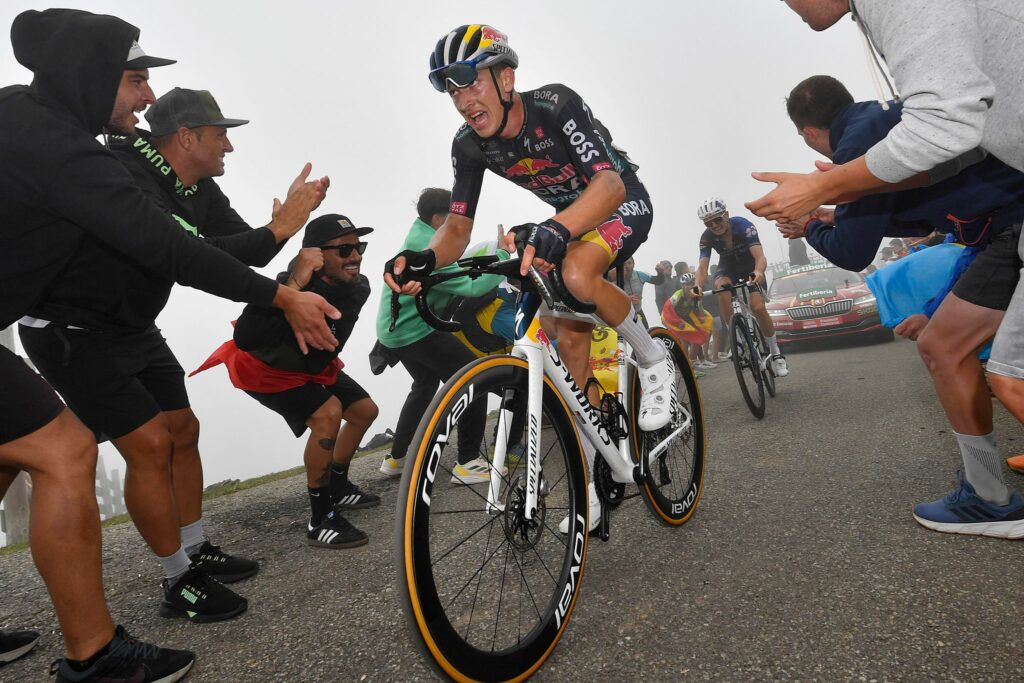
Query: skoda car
x=822, y=300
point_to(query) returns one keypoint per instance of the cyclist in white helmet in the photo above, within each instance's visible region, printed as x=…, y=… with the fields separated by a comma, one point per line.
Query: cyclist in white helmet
x=741, y=255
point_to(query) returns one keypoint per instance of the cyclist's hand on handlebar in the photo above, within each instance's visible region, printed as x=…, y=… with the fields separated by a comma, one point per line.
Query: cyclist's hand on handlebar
x=758, y=277
x=407, y=264
x=697, y=294
x=541, y=245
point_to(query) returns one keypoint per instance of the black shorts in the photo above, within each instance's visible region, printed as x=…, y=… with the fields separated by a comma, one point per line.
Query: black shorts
x=990, y=280
x=114, y=383
x=623, y=233
x=27, y=403
x=298, y=404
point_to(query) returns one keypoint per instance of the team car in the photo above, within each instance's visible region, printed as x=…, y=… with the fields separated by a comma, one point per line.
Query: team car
x=821, y=300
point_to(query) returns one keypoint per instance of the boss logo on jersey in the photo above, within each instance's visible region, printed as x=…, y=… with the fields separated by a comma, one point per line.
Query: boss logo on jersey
x=543, y=144
x=459, y=207
x=584, y=147
x=636, y=207
x=545, y=95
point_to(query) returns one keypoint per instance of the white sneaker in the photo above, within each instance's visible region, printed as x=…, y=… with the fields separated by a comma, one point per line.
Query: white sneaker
x=391, y=467
x=657, y=394
x=595, y=511
x=705, y=365
x=476, y=471
x=780, y=365
x=725, y=355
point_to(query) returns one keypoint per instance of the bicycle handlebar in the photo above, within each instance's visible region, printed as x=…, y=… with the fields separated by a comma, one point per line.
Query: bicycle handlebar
x=477, y=266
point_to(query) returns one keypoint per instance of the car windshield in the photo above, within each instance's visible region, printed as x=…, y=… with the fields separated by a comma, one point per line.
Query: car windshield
x=826, y=278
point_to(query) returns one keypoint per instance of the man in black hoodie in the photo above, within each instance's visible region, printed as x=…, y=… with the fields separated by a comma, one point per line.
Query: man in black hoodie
x=58, y=183
x=94, y=336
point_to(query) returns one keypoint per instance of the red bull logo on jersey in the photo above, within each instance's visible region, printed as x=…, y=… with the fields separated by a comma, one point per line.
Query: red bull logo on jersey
x=528, y=167
x=613, y=231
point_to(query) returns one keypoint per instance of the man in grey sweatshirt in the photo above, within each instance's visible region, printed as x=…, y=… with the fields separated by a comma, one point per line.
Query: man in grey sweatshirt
x=957, y=66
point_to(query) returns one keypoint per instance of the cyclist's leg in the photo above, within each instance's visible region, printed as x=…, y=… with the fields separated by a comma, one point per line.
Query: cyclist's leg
x=763, y=319
x=724, y=300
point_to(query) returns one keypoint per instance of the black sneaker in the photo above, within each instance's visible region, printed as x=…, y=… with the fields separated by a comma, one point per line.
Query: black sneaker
x=221, y=566
x=14, y=644
x=197, y=597
x=129, y=661
x=352, y=498
x=335, y=532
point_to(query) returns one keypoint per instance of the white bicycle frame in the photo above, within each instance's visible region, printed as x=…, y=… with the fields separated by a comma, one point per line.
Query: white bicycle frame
x=741, y=308
x=542, y=359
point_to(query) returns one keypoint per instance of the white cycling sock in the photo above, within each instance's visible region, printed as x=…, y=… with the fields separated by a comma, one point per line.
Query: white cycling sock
x=982, y=467
x=773, y=343
x=648, y=352
x=193, y=537
x=174, y=565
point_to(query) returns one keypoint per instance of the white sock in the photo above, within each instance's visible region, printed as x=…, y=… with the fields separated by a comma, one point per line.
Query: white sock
x=175, y=564
x=983, y=468
x=193, y=537
x=773, y=343
x=648, y=352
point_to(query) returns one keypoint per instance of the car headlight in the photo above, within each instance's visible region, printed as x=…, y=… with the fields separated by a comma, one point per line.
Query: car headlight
x=865, y=300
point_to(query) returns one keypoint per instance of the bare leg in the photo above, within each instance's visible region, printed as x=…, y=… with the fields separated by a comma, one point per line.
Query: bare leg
x=357, y=419
x=186, y=466
x=1010, y=391
x=65, y=523
x=949, y=348
x=323, y=434
x=148, y=490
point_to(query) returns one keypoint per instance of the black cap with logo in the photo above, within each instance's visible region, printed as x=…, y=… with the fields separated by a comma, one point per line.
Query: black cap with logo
x=184, y=108
x=323, y=229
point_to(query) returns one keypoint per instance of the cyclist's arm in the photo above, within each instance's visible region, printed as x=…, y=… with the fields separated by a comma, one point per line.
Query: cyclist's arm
x=760, y=262
x=451, y=239
x=602, y=197
x=702, y=272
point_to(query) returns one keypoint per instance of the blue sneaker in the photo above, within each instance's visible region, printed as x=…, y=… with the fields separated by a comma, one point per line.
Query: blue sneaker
x=962, y=511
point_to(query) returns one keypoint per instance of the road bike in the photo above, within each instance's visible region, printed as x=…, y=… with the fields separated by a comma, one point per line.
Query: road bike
x=751, y=356
x=487, y=578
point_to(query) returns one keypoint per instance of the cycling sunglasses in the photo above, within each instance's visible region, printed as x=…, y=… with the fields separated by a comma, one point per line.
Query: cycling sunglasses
x=459, y=74
x=345, y=250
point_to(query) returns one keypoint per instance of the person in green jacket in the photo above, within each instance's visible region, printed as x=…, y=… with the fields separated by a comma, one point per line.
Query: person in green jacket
x=431, y=356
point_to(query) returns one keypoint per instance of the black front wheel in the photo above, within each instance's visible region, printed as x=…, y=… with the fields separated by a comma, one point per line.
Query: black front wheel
x=767, y=365
x=747, y=362
x=488, y=591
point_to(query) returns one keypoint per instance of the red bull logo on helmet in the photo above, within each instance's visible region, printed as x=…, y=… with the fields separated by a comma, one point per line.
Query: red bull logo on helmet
x=528, y=167
x=613, y=231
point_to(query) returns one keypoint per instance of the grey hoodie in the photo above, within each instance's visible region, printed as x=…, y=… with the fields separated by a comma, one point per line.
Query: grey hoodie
x=959, y=68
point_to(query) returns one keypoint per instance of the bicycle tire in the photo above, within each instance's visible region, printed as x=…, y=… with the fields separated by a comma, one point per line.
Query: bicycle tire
x=673, y=483
x=438, y=534
x=769, y=371
x=745, y=358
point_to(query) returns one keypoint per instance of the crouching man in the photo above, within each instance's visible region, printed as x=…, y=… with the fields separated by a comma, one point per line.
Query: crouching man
x=312, y=390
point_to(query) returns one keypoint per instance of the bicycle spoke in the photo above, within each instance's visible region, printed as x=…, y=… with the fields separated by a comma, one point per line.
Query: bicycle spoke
x=490, y=521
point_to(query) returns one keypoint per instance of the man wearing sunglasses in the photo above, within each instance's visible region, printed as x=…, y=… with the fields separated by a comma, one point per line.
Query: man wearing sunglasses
x=737, y=243
x=94, y=338
x=311, y=390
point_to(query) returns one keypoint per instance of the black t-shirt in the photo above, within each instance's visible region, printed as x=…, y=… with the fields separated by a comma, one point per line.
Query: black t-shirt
x=560, y=147
x=265, y=333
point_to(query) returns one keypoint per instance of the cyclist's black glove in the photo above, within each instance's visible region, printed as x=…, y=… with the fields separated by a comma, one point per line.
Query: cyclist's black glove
x=549, y=239
x=417, y=264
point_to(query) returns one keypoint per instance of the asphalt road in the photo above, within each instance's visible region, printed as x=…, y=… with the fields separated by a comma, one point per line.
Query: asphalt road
x=802, y=562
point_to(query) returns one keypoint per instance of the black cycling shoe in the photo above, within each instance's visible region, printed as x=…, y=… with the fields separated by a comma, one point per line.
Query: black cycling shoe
x=334, y=531
x=221, y=566
x=352, y=498
x=129, y=661
x=15, y=644
x=197, y=597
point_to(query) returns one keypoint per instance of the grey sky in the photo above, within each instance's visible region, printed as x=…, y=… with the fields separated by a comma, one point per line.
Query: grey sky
x=692, y=90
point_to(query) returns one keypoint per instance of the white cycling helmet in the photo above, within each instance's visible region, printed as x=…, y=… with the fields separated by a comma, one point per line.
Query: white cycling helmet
x=712, y=206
